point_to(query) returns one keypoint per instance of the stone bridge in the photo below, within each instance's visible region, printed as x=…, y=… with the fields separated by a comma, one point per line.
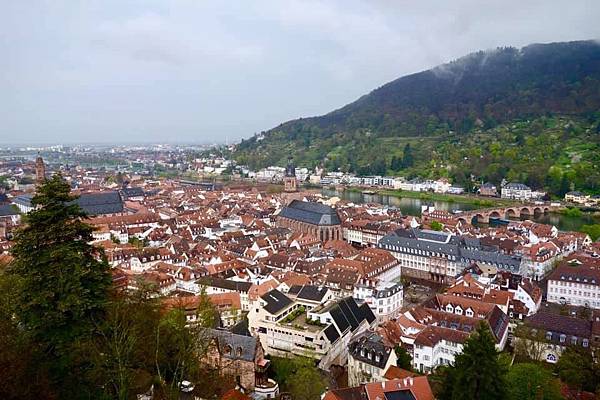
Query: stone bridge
x=517, y=211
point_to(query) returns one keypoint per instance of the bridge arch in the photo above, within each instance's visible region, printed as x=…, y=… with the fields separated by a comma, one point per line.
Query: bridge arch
x=478, y=218
x=495, y=214
x=525, y=211
x=537, y=211
x=511, y=213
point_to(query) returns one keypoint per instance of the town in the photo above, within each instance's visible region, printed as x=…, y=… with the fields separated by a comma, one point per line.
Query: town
x=376, y=299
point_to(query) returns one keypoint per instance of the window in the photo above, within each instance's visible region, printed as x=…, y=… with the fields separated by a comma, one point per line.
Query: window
x=585, y=343
x=563, y=338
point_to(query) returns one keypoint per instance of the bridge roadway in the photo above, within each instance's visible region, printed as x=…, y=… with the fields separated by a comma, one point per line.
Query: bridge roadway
x=516, y=211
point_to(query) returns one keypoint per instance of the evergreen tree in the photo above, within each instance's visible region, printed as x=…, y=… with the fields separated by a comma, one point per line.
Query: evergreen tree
x=477, y=373
x=407, y=157
x=63, y=280
x=404, y=358
x=565, y=186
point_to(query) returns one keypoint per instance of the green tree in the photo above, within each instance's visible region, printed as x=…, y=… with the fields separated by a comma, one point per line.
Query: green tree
x=404, y=358
x=407, y=157
x=529, y=344
x=306, y=383
x=436, y=226
x=592, y=230
x=530, y=381
x=578, y=369
x=18, y=355
x=477, y=372
x=63, y=281
x=565, y=185
x=4, y=183
x=299, y=376
x=121, y=352
x=138, y=343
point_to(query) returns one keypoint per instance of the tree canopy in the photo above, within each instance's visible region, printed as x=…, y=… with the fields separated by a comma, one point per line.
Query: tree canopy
x=65, y=334
x=478, y=372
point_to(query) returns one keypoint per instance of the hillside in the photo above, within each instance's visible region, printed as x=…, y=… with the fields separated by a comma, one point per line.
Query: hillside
x=530, y=114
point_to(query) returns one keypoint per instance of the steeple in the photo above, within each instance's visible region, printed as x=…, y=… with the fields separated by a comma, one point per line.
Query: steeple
x=40, y=170
x=290, y=170
x=290, y=177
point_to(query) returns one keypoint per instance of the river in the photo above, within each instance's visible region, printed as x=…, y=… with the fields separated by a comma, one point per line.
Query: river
x=410, y=206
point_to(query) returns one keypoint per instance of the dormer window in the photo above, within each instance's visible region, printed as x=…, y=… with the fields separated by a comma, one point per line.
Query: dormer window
x=563, y=338
x=548, y=335
x=574, y=340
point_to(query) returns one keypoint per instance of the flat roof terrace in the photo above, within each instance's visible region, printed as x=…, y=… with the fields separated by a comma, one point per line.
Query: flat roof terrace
x=300, y=321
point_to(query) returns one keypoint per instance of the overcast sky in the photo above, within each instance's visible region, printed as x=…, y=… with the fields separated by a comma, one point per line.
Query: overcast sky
x=203, y=71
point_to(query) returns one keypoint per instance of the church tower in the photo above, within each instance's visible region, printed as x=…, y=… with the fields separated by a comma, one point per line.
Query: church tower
x=290, y=177
x=40, y=170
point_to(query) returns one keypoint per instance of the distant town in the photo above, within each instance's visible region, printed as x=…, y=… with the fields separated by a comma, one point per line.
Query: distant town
x=377, y=298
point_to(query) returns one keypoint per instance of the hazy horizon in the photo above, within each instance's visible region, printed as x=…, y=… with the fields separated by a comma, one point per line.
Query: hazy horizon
x=186, y=72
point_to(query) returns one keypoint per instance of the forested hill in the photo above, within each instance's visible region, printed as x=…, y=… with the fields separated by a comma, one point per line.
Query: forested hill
x=477, y=93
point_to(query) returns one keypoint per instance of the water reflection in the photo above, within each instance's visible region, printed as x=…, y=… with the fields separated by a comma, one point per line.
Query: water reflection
x=410, y=206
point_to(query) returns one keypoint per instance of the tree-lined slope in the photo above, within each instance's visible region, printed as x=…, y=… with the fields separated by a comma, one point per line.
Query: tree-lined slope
x=539, y=88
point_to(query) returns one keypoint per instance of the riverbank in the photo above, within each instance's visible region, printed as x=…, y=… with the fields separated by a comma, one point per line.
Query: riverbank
x=450, y=198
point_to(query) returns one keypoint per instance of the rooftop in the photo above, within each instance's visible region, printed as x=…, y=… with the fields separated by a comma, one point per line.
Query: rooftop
x=311, y=212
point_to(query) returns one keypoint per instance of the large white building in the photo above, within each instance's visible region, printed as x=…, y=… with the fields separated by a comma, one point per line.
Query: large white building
x=441, y=257
x=285, y=327
x=516, y=191
x=435, y=346
x=576, y=281
x=385, y=298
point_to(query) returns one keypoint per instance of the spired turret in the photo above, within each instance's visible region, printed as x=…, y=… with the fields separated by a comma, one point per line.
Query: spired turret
x=290, y=177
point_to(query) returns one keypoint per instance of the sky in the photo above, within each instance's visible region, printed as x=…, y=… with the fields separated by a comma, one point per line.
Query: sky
x=195, y=71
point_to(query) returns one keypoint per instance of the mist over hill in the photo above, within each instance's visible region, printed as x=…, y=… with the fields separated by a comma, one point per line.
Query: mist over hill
x=448, y=116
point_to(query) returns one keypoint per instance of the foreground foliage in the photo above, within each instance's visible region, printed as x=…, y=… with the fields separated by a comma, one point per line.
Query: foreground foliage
x=299, y=376
x=578, y=369
x=65, y=334
x=477, y=373
x=530, y=381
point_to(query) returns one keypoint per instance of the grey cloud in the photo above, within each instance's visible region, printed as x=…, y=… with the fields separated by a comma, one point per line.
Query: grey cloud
x=130, y=70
